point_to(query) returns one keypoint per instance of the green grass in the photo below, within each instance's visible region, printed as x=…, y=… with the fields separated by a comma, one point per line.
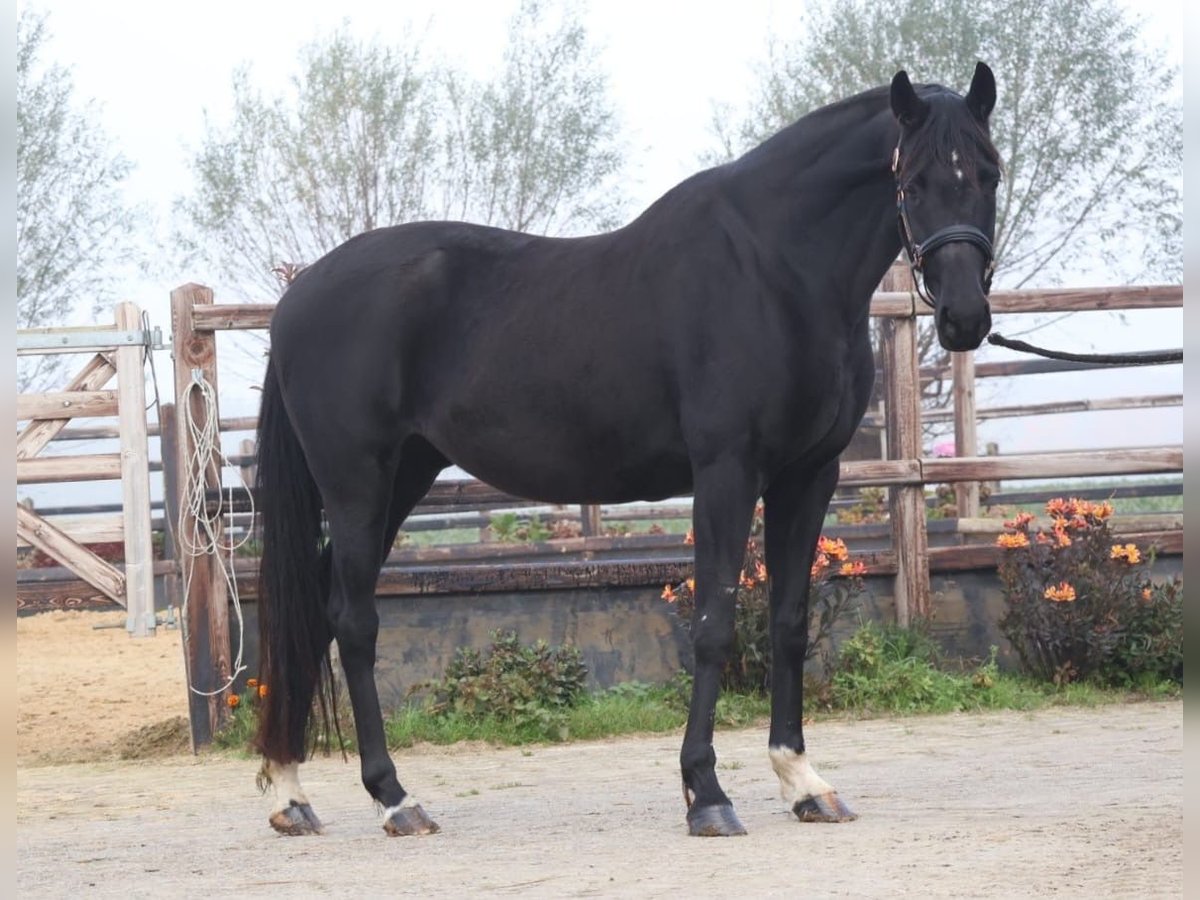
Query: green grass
x=631, y=708
x=887, y=685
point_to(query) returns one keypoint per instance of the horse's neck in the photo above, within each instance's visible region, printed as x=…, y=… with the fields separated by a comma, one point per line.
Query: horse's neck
x=823, y=187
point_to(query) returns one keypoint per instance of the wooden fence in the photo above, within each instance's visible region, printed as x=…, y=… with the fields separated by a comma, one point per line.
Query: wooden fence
x=118, y=351
x=906, y=553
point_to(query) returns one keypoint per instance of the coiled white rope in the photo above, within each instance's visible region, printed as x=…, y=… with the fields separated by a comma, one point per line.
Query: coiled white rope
x=200, y=537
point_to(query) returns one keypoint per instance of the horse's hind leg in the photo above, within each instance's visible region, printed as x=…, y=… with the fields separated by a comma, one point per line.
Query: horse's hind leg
x=293, y=814
x=363, y=519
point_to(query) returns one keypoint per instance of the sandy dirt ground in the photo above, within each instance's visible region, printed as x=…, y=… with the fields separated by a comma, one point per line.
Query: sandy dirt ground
x=87, y=693
x=1061, y=803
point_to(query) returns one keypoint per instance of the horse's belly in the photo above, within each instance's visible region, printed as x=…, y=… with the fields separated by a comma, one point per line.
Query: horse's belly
x=565, y=457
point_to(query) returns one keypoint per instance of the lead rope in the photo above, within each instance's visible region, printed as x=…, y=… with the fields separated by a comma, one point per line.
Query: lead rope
x=202, y=539
x=1147, y=358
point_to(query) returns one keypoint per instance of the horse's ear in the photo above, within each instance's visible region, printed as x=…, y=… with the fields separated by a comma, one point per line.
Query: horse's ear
x=981, y=98
x=907, y=107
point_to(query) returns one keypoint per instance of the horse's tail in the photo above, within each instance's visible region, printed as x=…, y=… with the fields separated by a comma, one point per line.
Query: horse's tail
x=293, y=587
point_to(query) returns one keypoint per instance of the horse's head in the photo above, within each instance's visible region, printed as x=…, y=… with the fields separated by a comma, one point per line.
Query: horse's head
x=946, y=172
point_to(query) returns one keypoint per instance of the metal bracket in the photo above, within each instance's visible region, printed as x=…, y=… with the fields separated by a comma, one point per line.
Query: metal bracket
x=72, y=341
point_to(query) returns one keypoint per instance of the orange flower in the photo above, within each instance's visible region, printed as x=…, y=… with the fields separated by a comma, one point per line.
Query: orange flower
x=262, y=691
x=819, y=565
x=1063, y=509
x=1130, y=553
x=1042, y=538
x=668, y=593
x=1020, y=521
x=853, y=568
x=760, y=570
x=1060, y=533
x=233, y=700
x=1012, y=541
x=690, y=537
x=746, y=581
x=1100, y=511
x=1064, y=593
x=834, y=549
x=1146, y=594
x=691, y=584
x=251, y=682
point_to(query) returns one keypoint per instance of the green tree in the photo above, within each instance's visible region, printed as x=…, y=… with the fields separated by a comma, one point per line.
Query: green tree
x=1089, y=124
x=371, y=135
x=74, y=229
x=534, y=148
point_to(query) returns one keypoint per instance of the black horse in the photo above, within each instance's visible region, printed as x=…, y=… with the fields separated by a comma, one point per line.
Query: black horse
x=718, y=345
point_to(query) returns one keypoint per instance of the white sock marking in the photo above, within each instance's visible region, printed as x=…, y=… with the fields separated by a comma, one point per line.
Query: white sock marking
x=285, y=777
x=797, y=779
x=408, y=802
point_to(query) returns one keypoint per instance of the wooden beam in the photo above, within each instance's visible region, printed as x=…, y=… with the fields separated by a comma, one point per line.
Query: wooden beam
x=88, y=467
x=135, y=479
x=206, y=625
x=1117, y=524
x=67, y=404
x=902, y=399
x=232, y=316
x=101, y=529
x=104, y=576
x=879, y=472
x=966, y=435
x=1079, y=463
x=37, y=434
x=1160, y=296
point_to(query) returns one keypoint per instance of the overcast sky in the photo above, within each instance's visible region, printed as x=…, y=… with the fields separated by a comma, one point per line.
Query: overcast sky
x=149, y=69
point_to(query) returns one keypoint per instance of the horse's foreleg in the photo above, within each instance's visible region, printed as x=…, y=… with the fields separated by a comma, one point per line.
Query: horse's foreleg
x=795, y=506
x=725, y=495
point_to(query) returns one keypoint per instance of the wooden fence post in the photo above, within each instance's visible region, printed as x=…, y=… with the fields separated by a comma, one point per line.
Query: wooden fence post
x=206, y=619
x=902, y=392
x=966, y=438
x=168, y=444
x=589, y=520
x=135, y=478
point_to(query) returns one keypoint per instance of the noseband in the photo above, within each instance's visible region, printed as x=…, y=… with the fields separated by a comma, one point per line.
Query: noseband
x=919, y=251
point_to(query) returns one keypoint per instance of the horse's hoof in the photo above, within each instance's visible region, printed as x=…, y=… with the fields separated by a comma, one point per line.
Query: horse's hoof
x=714, y=821
x=409, y=820
x=296, y=819
x=823, y=808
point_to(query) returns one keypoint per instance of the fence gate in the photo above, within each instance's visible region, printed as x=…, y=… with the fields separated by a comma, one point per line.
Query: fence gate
x=118, y=351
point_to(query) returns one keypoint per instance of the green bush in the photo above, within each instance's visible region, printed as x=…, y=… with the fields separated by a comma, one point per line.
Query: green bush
x=1082, y=606
x=509, y=528
x=530, y=685
x=835, y=588
x=890, y=669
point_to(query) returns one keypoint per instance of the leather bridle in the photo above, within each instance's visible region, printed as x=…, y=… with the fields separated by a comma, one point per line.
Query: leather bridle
x=919, y=251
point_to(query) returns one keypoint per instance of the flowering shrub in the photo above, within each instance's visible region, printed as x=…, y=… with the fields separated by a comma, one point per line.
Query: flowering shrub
x=836, y=585
x=1081, y=605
